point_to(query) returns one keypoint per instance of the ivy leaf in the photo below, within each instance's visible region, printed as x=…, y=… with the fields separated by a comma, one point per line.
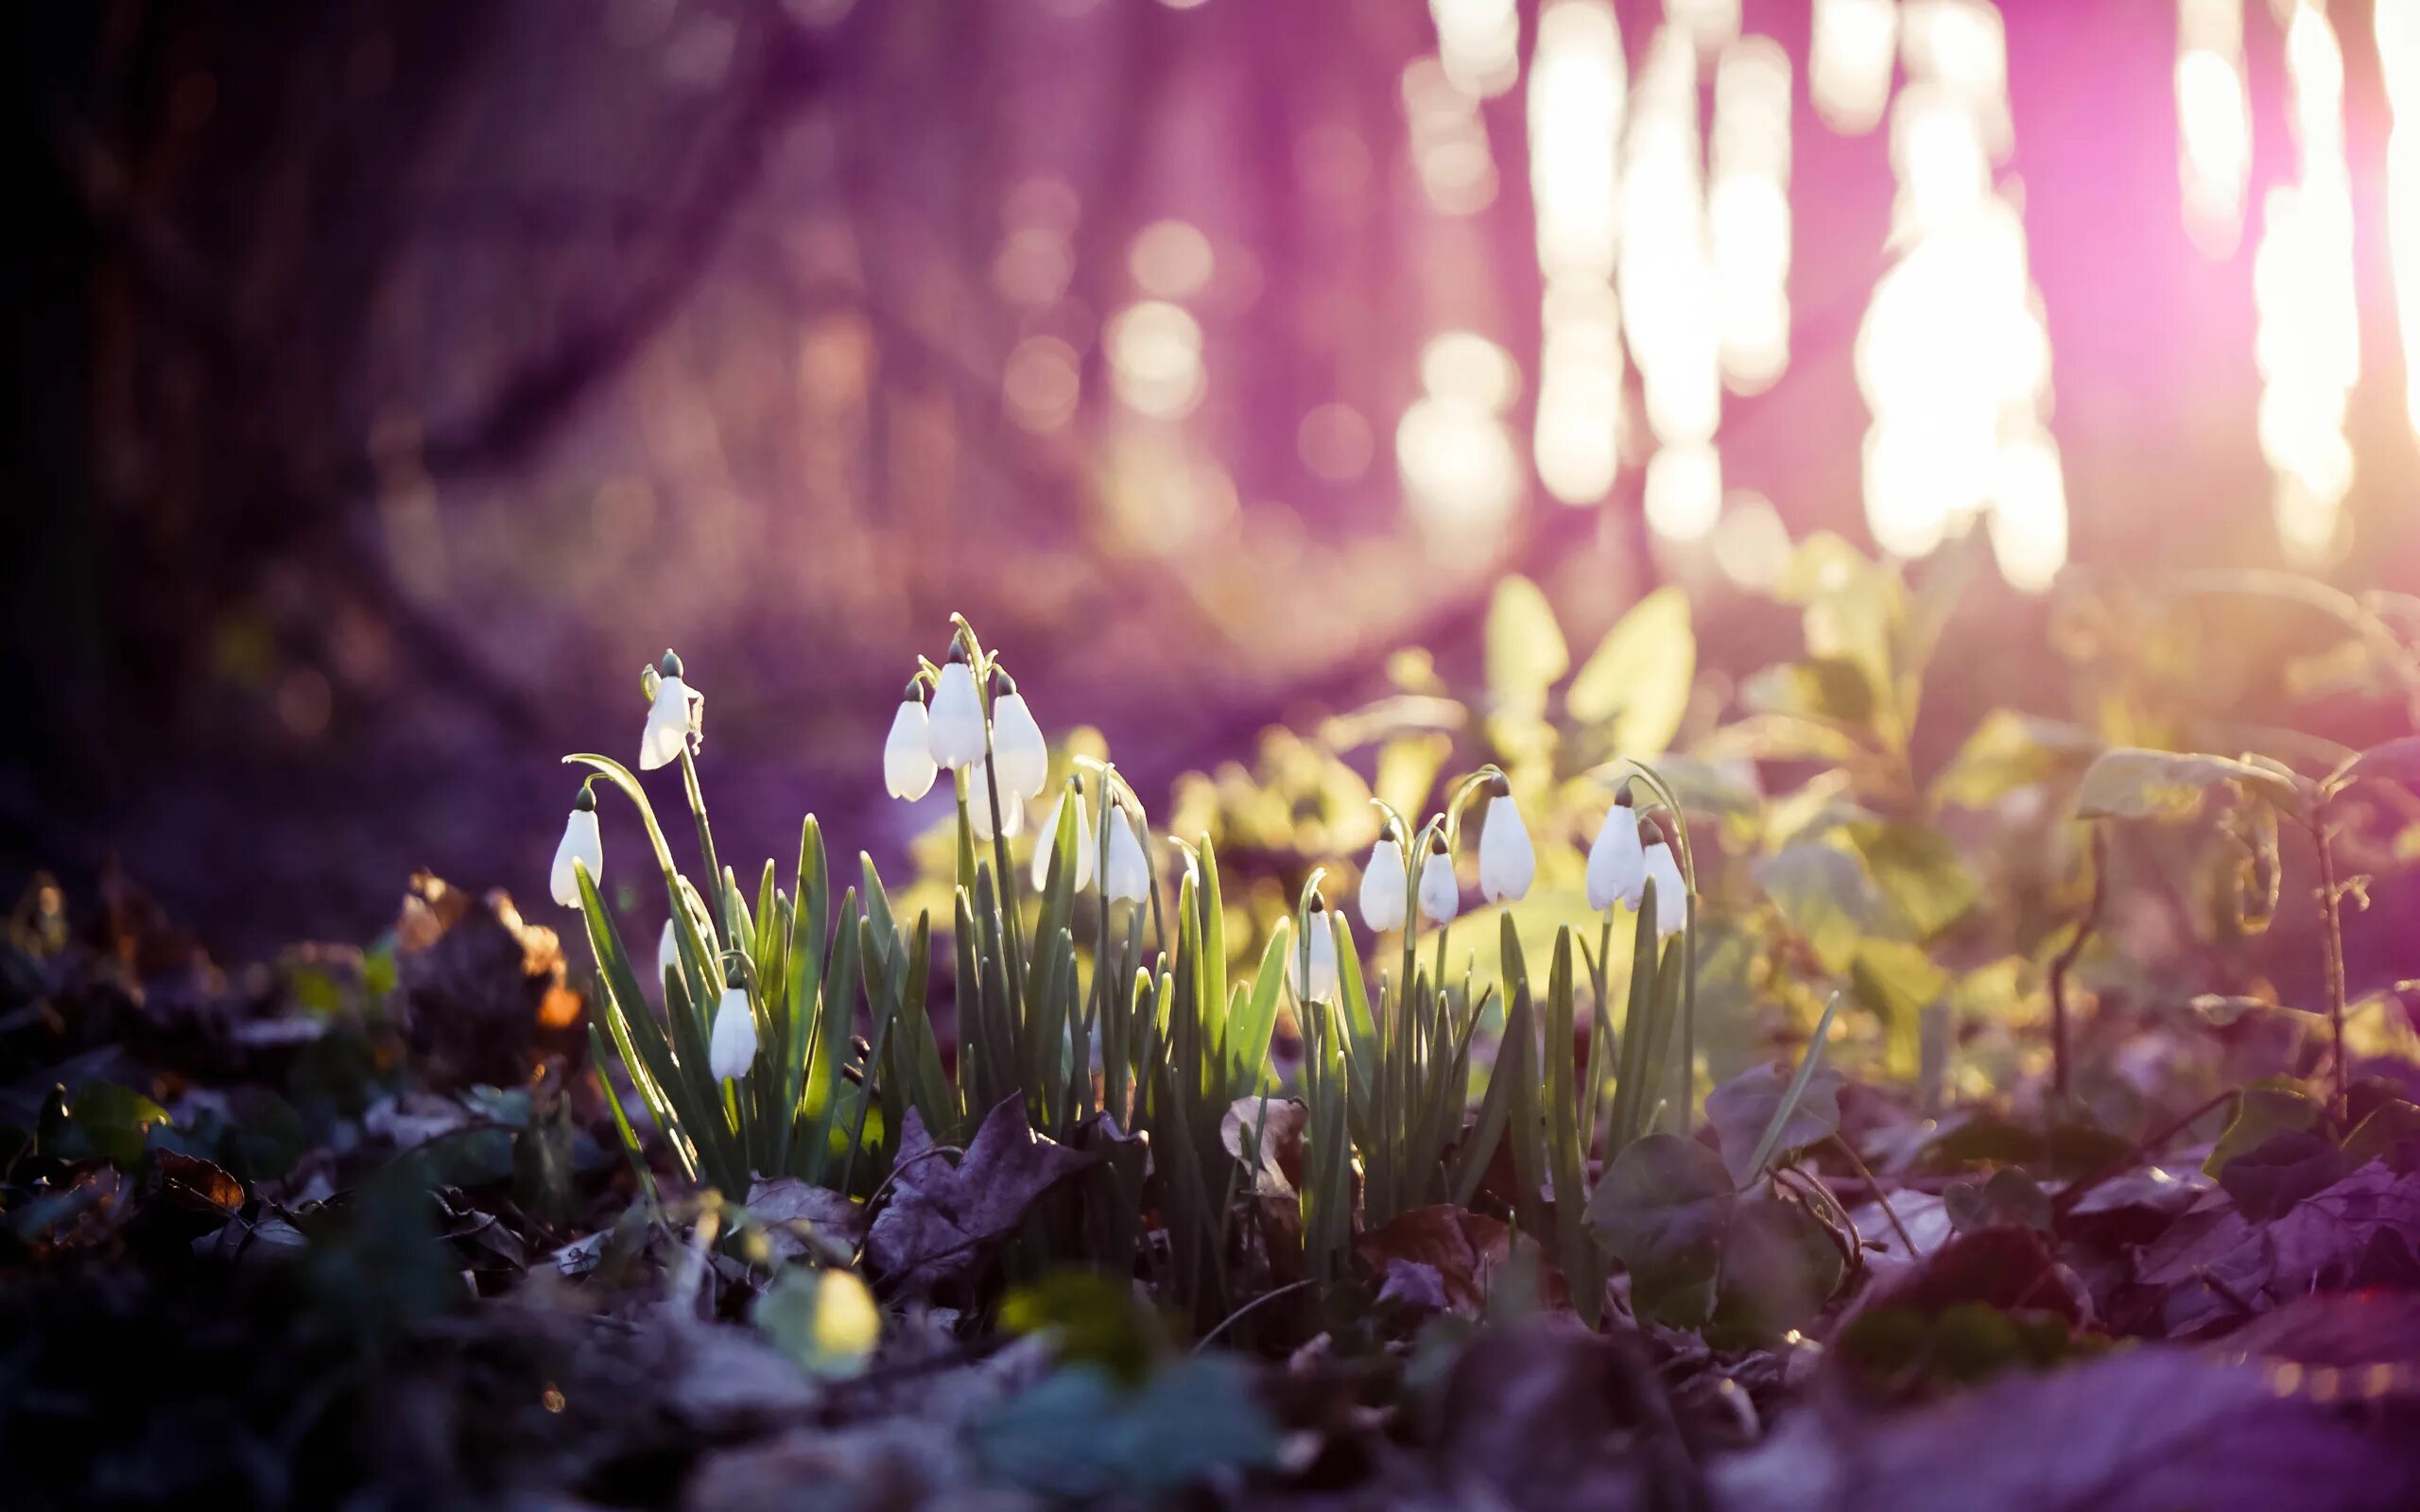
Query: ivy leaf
x=1078, y=1435
x=2133, y=784
x=1639, y=676
x=1662, y=1208
x=1825, y=895
x=1780, y=1265
x=2266, y=1109
x=2011, y=750
x=1919, y=873
x=1740, y=1109
x=115, y=1121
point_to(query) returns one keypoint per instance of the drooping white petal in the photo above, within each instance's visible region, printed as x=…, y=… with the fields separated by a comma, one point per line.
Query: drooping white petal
x=667, y=952
x=1048, y=836
x=581, y=842
x=667, y=725
x=1441, y=896
x=979, y=805
x=1129, y=878
x=1671, y=894
x=1507, y=862
x=733, y=1045
x=1017, y=746
x=1322, y=983
x=955, y=726
x=1616, y=865
x=1383, y=886
x=908, y=769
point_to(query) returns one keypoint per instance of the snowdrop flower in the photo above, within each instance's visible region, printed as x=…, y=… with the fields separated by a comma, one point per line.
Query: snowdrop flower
x=1616, y=865
x=734, y=1043
x=1017, y=746
x=1129, y=877
x=667, y=952
x=1047, y=837
x=979, y=804
x=1507, y=862
x=1671, y=893
x=907, y=767
x=1383, y=884
x=671, y=720
x=1321, y=935
x=955, y=727
x=1441, y=896
x=581, y=842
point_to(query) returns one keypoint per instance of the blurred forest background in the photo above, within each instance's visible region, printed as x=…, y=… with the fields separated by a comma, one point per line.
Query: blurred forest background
x=397, y=378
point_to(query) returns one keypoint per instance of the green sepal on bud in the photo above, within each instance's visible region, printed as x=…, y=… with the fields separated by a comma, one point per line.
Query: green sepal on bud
x=586, y=802
x=670, y=665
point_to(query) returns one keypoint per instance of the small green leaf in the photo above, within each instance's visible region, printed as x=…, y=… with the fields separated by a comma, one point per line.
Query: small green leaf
x=1637, y=680
x=1898, y=981
x=2133, y=784
x=1920, y=874
x=1825, y=895
x=2266, y=1109
x=824, y=1320
x=1526, y=654
x=2009, y=751
x=1745, y=1107
x=114, y=1120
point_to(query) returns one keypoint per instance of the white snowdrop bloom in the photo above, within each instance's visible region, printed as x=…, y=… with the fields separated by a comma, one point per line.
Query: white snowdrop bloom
x=979, y=804
x=669, y=720
x=1383, y=884
x=667, y=952
x=1671, y=894
x=1321, y=985
x=1616, y=863
x=1017, y=747
x=1507, y=862
x=955, y=726
x=1045, y=838
x=1129, y=877
x=581, y=842
x=1441, y=896
x=908, y=769
x=734, y=1042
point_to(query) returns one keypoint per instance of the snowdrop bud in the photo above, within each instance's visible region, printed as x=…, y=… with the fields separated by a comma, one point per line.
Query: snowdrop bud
x=908, y=769
x=979, y=804
x=1671, y=894
x=1018, y=744
x=956, y=724
x=1383, y=884
x=668, y=952
x=1617, y=862
x=1507, y=862
x=1047, y=837
x=1320, y=936
x=667, y=719
x=1441, y=896
x=733, y=1045
x=581, y=842
x=1129, y=878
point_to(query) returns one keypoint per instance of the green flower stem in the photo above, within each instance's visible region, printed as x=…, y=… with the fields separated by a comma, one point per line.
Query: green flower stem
x=1688, y=944
x=722, y=912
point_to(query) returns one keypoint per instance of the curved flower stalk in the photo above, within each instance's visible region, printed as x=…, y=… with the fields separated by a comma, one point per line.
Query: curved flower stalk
x=580, y=843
